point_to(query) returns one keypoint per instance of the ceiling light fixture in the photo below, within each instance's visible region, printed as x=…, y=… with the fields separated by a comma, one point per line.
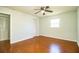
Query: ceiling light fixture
x=43, y=9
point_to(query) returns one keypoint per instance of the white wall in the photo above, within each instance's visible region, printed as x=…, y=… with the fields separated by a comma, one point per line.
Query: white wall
x=37, y=26
x=67, y=29
x=78, y=26
x=23, y=26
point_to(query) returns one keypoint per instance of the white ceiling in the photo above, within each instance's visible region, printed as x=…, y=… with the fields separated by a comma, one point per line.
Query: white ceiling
x=55, y=9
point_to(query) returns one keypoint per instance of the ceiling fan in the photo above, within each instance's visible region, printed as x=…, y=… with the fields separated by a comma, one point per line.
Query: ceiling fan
x=43, y=10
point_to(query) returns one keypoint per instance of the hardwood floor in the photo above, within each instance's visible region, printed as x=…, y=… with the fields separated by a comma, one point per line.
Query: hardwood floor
x=5, y=46
x=78, y=49
x=42, y=44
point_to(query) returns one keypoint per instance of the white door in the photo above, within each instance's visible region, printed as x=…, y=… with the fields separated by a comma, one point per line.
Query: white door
x=4, y=27
x=4, y=32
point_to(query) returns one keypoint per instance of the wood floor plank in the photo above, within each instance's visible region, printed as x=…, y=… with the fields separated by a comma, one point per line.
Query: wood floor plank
x=42, y=44
x=5, y=46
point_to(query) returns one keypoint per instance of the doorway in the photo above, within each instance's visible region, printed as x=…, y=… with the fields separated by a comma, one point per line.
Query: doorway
x=4, y=32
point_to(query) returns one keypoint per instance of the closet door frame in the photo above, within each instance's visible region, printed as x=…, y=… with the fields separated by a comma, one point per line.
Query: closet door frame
x=7, y=16
x=5, y=42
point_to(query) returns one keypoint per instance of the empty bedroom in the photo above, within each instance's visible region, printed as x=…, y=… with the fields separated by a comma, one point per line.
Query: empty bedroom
x=39, y=29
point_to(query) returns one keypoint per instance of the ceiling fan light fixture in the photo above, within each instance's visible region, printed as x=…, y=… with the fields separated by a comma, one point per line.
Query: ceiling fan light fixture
x=42, y=11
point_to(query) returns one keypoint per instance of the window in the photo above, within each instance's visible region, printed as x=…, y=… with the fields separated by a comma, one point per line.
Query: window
x=55, y=23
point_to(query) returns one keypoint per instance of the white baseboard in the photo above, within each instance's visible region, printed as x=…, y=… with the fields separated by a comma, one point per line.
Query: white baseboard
x=21, y=39
x=41, y=35
x=59, y=38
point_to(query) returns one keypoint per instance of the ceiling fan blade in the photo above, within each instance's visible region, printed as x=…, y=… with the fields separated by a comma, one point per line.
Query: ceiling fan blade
x=47, y=7
x=48, y=11
x=37, y=12
x=42, y=8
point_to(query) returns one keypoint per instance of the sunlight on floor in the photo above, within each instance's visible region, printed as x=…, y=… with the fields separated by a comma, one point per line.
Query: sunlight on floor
x=54, y=48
